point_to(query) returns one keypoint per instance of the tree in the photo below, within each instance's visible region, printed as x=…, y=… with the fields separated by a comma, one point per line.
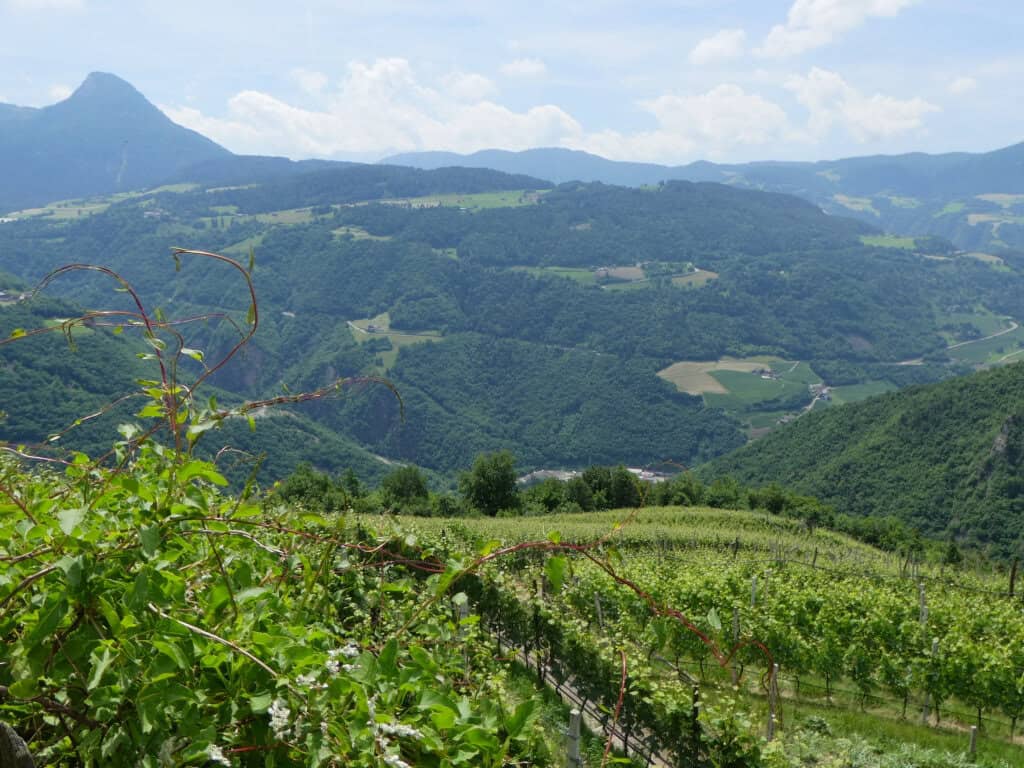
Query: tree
x=624, y=488
x=490, y=486
x=405, y=487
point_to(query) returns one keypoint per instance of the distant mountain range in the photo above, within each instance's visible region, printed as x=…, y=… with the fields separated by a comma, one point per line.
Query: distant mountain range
x=106, y=137
x=975, y=200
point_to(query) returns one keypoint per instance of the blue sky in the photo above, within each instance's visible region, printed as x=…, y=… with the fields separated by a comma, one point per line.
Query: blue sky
x=653, y=80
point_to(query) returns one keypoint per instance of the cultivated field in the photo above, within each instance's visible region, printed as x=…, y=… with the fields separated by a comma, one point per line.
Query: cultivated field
x=379, y=327
x=475, y=202
x=357, y=233
x=694, y=279
x=695, y=378
x=889, y=241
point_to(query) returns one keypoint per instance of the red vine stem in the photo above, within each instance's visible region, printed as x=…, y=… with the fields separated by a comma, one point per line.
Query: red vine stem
x=618, y=710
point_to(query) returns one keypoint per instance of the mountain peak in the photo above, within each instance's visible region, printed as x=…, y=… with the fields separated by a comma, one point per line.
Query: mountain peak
x=105, y=88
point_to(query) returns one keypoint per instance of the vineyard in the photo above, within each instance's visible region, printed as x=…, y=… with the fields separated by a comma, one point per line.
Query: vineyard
x=861, y=639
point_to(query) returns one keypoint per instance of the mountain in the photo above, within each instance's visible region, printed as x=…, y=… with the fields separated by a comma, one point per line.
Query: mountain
x=947, y=458
x=106, y=137
x=972, y=199
x=559, y=165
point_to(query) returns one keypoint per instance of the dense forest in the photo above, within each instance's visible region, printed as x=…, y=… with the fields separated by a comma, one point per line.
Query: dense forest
x=946, y=458
x=496, y=275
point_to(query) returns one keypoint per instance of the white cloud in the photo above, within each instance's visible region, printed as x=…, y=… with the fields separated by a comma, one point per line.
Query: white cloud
x=814, y=23
x=60, y=92
x=380, y=108
x=831, y=101
x=525, y=68
x=468, y=87
x=726, y=44
x=310, y=81
x=45, y=5
x=725, y=118
x=962, y=85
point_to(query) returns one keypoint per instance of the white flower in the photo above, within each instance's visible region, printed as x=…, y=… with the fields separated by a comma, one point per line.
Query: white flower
x=394, y=761
x=279, y=715
x=333, y=666
x=400, y=730
x=216, y=755
x=350, y=651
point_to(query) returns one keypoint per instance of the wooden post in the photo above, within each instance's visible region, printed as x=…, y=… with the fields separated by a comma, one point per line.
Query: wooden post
x=463, y=614
x=814, y=562
x=753, y=591
x=1013, y=574
x=924, y=710
x=600, y=614
x=773, y=693
x=13, y=752
x=695, y=727
x=973, y=752
x=573, y=740
x=735, y=642
x=923, y=603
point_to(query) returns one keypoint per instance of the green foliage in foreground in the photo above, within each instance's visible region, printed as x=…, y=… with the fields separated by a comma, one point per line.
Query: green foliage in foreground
x=946, y=458
x=149, y=620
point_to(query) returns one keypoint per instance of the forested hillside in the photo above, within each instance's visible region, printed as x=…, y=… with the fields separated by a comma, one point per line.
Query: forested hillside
x=569, y=303
x=974, y=200
x=947, y=458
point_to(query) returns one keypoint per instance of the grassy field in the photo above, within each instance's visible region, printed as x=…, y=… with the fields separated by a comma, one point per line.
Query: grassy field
x=851, y=393
x=382, y=330
x=581, y=275
x=991, y=351
x=694, y=279
x=903, y=202
x=357, y=233
x=243, y=246
x=475, y=202
x=67, y=209
x=1002, y=200
x=695, y=378
x=627, y=274
x=951, y=209
x=981, y=319
x=988, y=258
x=743, y=390
x=889, y=241
x=863, y=204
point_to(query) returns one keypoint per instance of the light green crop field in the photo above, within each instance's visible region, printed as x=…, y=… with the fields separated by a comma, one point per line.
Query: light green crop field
x=746, y=389
x=951, y=209
x=357, y=233
x=694, y=279
x=581, y=275
x=904, y=202
x=1001, y=349
x=889, y=241
x=474, y=202
x=694, y=377
x=1002, y=200
x=988, y=258
x=243, y=246
x=382, y=330
x=863, y=204
x=982, y=319
x=851, y=393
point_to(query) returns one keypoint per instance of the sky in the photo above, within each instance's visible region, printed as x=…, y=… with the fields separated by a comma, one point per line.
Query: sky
x=649, y=80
